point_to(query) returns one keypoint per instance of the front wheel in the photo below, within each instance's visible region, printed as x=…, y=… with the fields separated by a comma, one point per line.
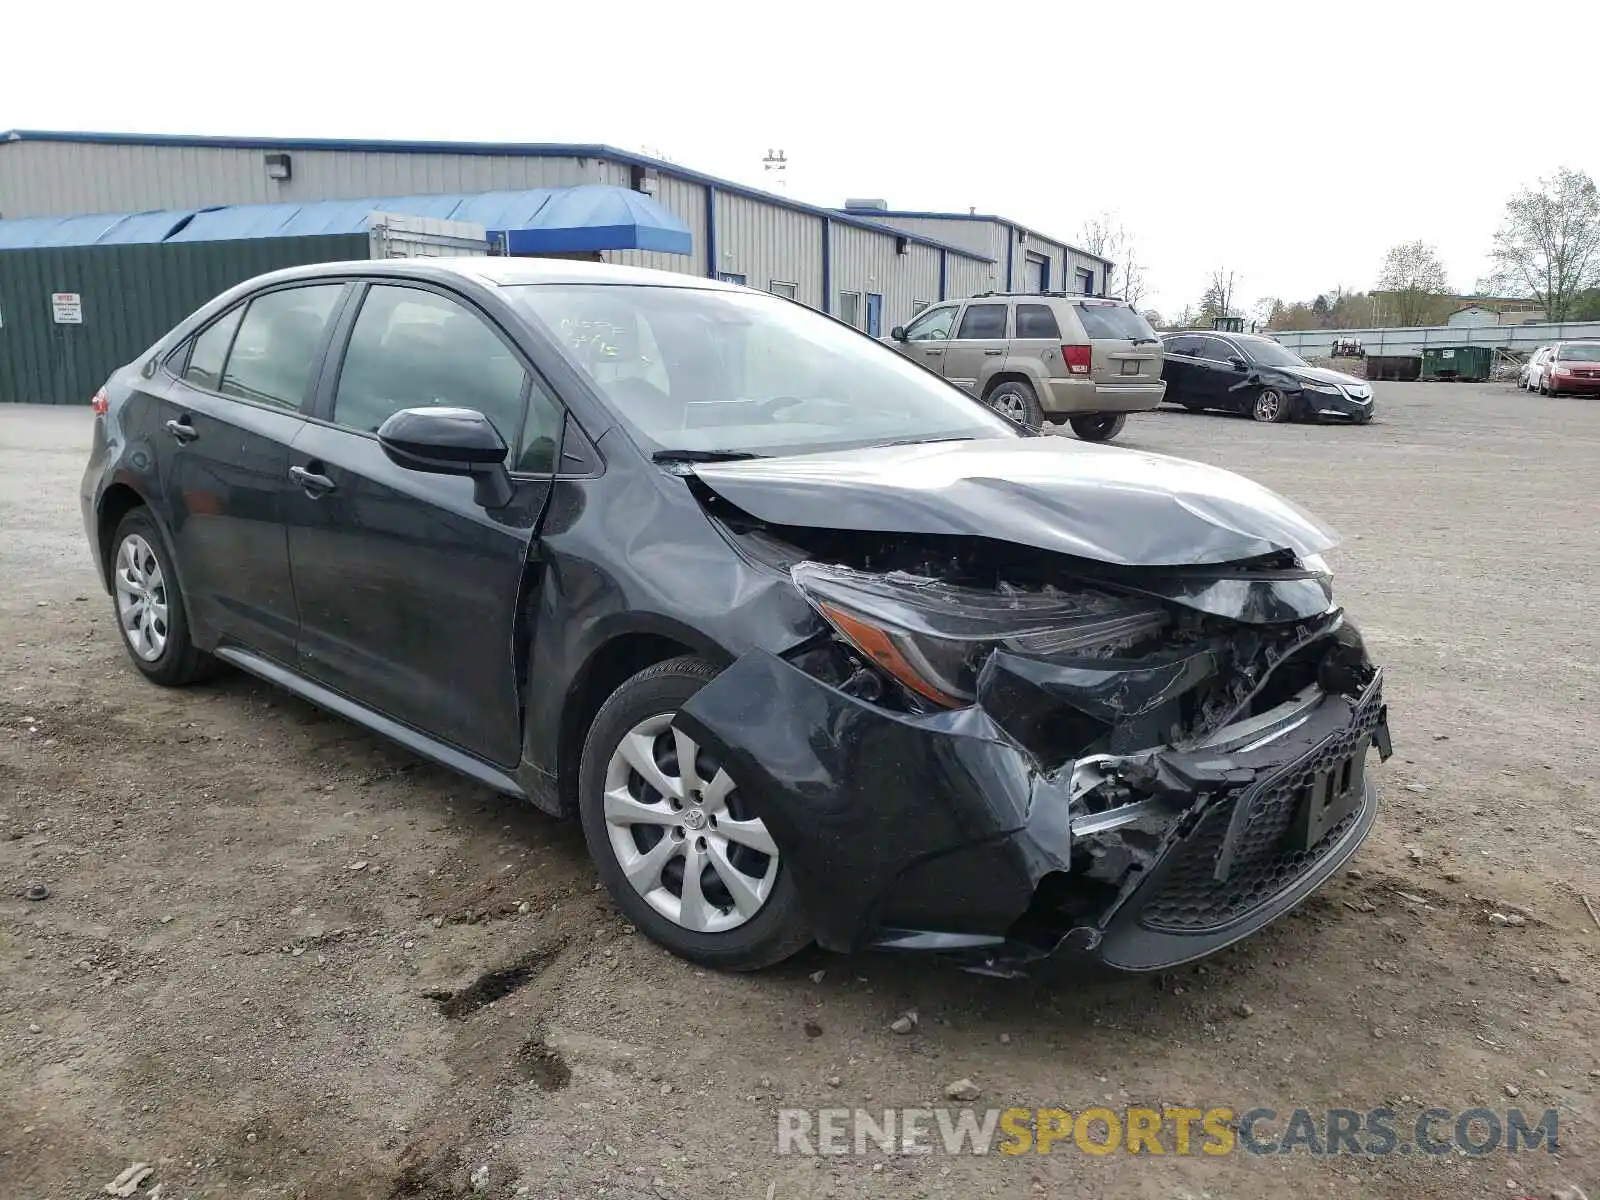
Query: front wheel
x=672, y=835
x=1271, y=406
x=1099, y=427
x=149, y=607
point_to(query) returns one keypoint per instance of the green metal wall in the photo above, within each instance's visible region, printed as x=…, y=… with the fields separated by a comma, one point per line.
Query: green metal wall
x=131, y=296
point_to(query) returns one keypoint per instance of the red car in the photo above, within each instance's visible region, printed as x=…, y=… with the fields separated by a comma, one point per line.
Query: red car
x=1572, y=367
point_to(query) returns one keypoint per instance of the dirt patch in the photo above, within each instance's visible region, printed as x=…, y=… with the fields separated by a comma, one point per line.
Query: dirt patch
x=492, y=985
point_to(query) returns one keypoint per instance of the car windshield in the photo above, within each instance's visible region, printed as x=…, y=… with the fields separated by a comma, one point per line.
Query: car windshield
x=708, y=371
x=1587, y=353
x=1271, y=354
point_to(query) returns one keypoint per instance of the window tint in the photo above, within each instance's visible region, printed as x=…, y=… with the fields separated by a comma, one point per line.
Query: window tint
x=277, y=342
x=1037, y=321
x=414, y=349
x=983, y=321
x=933, y=325
x=1113, y=322
x=1220, y=350
x=210, y=349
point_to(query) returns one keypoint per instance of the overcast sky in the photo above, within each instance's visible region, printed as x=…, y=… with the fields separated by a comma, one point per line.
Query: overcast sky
x=1293, y=143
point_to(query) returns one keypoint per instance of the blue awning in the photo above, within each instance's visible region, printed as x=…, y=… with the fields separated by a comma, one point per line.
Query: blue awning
x=597, y=217
x=96, y=229
x=530, y=221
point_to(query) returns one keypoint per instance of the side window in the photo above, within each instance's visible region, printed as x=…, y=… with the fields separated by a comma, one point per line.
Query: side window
x=983, y=321
x=1222, y=351
x=1183, y=344
x=932, y=325
x=277, y=344
x=412, y=349
x=1037, y=321
x=210, y=349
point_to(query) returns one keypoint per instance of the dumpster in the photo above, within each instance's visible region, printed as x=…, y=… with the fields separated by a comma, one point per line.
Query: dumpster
x=1463, y=364
x=1404, y=368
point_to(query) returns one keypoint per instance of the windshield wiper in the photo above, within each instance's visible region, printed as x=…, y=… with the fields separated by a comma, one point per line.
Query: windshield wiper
x=919, y=441
x=703, y=456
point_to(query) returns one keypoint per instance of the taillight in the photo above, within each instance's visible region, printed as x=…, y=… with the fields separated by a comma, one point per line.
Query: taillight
x=1077, y=359
x=101, y=402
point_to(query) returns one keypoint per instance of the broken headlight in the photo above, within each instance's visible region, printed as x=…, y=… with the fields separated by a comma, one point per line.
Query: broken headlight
x=934, y=637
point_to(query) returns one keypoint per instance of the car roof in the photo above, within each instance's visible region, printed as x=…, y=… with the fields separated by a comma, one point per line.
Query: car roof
x=499, y=271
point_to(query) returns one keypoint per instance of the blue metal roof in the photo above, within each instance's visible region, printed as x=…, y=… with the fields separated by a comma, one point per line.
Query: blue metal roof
x=535, y=221
x=506, y=149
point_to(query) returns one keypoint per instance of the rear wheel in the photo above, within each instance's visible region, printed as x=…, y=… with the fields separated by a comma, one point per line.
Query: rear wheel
x=1098, y=427
x=148, y=604
x=1271, y=406
x=1016, y=401
x=672, y=836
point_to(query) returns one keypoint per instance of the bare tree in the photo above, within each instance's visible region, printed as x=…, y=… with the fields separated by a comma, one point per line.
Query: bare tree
x=1415, y=281
x=1218, y=299
x=1549, y=245
x=1106, y=237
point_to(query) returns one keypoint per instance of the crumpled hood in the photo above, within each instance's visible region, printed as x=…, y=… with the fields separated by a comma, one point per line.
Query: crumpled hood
x=1111, y=505
x=1324, y=375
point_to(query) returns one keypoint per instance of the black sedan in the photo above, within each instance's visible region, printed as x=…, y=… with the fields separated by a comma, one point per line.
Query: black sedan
x=1242, y=373
x=815, y=645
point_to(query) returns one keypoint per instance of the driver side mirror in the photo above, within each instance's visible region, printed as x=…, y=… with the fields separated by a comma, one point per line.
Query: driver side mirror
x=898, y=333
x=1239, y=364
x=450, y=441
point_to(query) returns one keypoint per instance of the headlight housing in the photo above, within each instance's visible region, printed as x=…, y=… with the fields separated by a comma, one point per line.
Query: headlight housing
x=1327, y=389
x=934, y=637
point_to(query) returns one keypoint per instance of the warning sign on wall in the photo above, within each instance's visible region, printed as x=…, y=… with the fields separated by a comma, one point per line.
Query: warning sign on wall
x=67, y=308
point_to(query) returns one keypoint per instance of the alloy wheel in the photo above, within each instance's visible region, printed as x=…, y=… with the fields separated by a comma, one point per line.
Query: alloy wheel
x=1267, y=405
x=141, y=598
x=680, y=832
x=1009, y=404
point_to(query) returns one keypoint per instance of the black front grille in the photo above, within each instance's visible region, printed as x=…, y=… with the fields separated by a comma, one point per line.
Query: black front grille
x=1265, y=861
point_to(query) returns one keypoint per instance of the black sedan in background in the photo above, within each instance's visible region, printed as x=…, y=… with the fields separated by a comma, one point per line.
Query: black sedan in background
x=814, y=644
x=1242, y=373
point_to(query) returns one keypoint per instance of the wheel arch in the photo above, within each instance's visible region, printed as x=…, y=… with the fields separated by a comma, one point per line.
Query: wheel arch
x=620, y=656
x=1011, y=375
x=116, y=502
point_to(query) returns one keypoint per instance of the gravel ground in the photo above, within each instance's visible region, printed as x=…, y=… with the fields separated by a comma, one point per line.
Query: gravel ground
x=280, y=957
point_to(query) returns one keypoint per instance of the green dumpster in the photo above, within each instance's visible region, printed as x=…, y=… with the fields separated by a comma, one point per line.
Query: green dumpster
x=1464, y=364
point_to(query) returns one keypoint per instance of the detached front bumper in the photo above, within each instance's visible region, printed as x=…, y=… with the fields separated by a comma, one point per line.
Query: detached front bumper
x=941, y=833
x=1326, y=406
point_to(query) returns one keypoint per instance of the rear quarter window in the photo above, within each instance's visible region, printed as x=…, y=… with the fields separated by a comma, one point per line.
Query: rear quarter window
x=1037, y=321
x=1113, y=322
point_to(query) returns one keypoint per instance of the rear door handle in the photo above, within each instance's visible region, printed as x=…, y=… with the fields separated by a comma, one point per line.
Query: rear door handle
x=314, y=484
x=180, y=428
x=994, y=351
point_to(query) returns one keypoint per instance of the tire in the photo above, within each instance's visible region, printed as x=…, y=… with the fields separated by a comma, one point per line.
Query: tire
x=1270, y=406
x=147, y=604
x=730, y=938
x=1017, y=401
x=1098, y=427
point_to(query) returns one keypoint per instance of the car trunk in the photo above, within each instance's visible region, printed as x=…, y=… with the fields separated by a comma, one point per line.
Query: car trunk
x=1124, y=349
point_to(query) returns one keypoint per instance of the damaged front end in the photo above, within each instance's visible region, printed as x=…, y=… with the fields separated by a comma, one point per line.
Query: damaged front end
x=1012, y=756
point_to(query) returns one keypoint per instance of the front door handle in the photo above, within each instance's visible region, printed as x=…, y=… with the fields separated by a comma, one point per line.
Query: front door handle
x=314, y=484
x=994, y=351
x=932, y=353
x=180, y=428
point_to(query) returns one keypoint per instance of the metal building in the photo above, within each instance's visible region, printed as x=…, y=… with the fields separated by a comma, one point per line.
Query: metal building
x=1029, y=261
x=874, y=269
